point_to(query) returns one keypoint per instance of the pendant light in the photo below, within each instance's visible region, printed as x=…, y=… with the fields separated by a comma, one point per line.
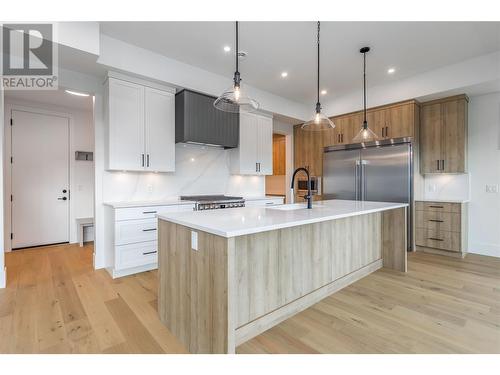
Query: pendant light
x=365, y=134
x=319, y=120
x=234, y=99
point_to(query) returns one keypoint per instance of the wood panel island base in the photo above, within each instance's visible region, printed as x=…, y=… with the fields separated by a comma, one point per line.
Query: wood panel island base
x=251, y=268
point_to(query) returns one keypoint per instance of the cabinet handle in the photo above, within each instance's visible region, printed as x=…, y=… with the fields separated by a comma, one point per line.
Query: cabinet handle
x=259, y=167
x=147, y=158
x=436, y=221
x=436, y=206
x=435, y=239
x=442, y=165
x=142, y=163
x=438, y=164
x=386, y=131
x=256, y=167
x=149, y=230
x=338, y=138
x=342, y=137
x=149, y=212
x=149, y=252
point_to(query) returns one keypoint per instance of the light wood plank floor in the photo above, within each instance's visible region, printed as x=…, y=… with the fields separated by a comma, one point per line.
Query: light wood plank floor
x=55, y=303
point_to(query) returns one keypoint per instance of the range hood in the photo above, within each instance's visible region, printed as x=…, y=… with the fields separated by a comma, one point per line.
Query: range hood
x=197, y=121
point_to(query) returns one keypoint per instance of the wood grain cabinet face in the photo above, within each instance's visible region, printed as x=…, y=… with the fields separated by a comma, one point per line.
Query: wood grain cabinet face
x=443, y=136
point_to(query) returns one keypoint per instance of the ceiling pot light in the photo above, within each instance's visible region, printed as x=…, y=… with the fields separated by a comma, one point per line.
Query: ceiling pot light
x=391, y=70
x=324, y=92
x=284, y=74
x=227, y=48
x=76, y=93
x=234, y=99
x=319, y=120
x=365, y=134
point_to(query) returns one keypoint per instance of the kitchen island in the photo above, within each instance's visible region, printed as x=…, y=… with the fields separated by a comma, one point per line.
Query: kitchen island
x=228, y=275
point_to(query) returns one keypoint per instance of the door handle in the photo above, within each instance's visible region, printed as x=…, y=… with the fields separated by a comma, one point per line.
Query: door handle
x=62, y=198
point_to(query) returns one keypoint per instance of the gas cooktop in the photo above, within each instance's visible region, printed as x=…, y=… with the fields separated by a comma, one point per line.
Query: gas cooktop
x=213, y=202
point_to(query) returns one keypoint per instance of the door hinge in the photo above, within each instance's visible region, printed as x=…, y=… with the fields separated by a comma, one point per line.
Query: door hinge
x=11, y=122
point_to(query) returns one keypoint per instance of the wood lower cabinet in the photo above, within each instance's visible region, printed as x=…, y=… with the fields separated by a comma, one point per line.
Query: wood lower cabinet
x=441, y=227
x=443, y=135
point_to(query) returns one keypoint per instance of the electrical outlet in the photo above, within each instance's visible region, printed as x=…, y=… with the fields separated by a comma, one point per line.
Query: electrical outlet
x=492, y=189
x=150, y=188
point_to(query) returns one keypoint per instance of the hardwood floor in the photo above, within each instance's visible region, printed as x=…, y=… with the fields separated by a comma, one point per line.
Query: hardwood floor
x=56, y=303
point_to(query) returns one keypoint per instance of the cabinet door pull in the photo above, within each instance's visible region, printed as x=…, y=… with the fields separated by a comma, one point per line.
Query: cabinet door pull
x=149, y=230
x=338, y=138
x=435, y=239
x=147, y=158
x=436, y=206
x=150, y=252
x=442, y=165
x=149, y=212
x=256, y=168
x=386, y=131
x=436, y=221
x=342, y=137
x=142, y=163
x=438, y=162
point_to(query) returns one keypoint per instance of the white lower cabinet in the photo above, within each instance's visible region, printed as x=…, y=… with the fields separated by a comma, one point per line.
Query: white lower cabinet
x=264, y=202
x=132, y=238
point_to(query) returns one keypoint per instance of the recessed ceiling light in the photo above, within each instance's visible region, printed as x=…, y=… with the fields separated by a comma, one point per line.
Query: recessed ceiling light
x=227, y=48
x=284, y=74
x=391, y=70
x=324, y=92
x=76, y=93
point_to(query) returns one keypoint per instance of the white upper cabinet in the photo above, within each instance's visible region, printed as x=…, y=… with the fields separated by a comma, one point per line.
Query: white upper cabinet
x=160, y=130
x=254, y=155
x=141, y=127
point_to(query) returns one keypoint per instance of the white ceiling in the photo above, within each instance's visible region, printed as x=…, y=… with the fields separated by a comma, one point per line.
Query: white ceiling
x=58, y=98
x=273, y=47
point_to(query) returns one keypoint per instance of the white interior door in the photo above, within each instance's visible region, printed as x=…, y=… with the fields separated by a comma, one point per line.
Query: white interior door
x=40, y=179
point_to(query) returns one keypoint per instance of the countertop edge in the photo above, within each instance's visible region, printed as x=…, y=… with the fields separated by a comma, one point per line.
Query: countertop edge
x=244, y=232
x=146, y=204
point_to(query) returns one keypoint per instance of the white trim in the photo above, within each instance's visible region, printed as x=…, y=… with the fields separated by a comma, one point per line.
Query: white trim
x=130, y=271
x=7, y=152
x=139, y=81
x=3, y=277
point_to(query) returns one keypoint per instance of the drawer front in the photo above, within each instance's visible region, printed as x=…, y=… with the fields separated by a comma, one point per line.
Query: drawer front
x=435, y=220
x=148, y=212
x=135, y=255
x=442, y=240
x=264, y=202
x=132, y=231
x=437, y=206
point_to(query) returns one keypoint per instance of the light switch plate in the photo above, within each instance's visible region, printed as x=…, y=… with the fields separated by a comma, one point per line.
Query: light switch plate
x=194, y=240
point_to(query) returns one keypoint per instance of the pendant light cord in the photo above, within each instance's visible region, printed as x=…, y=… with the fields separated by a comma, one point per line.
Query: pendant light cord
x=317, y=87
x=364, y=89
x=237, y=50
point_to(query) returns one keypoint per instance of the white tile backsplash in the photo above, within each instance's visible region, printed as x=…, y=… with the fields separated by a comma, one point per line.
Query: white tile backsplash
x=198, y=170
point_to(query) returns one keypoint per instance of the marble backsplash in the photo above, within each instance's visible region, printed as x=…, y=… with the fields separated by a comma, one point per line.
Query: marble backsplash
x=198, y=170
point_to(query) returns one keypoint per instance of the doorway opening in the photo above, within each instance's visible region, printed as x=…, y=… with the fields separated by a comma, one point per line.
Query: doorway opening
x=48, y=188
x=276, y=183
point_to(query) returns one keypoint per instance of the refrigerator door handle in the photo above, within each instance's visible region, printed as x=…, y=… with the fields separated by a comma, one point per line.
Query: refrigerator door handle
x=363, y=179
x=357, y=179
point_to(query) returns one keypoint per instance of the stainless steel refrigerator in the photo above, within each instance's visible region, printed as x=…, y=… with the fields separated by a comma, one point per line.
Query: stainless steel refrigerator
x=375, y=171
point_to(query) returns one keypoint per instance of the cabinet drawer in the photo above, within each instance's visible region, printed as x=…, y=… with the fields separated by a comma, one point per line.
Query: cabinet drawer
x=132, y=231
x=135, y=255
x=435, y=220
x=438, y=206
x=442, y=240
x=148, y=212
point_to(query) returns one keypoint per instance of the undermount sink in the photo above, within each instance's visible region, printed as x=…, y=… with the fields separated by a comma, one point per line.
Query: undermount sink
x=288, y=207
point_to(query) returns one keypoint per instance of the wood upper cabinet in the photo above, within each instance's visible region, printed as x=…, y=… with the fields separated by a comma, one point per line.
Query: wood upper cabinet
x=443, y=135
x=308, y=150
x=279, y=154
x=393, y=121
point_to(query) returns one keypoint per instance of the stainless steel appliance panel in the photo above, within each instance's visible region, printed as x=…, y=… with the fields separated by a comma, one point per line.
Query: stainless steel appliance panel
x=341, y=174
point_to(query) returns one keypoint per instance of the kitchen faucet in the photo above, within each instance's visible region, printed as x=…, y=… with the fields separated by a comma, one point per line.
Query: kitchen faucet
x=308, y=196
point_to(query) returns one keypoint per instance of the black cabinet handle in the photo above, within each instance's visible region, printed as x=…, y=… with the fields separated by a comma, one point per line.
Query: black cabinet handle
x=62, y=199
x=436, y=206
x=149, y=230
x=436, y=221
x=442, y=165
x=149, y=252
x=147, y=158
x=149, y=212
x=435, y=239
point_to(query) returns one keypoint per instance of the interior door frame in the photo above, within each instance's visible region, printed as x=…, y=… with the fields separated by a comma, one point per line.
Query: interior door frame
x=9, y=108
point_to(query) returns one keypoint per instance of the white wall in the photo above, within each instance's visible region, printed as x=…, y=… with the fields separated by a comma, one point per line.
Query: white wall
x=81, y=172
x=484, y=169
x=198, y=170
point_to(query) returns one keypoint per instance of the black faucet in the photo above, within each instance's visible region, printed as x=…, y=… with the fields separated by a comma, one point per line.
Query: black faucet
x=308, y=196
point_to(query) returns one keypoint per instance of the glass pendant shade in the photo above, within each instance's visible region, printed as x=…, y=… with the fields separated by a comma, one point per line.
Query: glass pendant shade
x=365, y=135
x=319, y=122
x=235, y=100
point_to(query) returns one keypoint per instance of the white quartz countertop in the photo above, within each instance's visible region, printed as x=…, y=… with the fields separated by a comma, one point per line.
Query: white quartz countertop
x=162, y=202
x=234, y=222
x=444, y=200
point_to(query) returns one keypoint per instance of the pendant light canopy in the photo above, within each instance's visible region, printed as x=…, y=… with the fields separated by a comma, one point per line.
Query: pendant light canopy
x=235, y=99
x=365, y=134
x=319, y=120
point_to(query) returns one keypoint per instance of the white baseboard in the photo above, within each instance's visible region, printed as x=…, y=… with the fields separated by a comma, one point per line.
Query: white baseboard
x=130, y=271
x=489, y=249
x=3, y=277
